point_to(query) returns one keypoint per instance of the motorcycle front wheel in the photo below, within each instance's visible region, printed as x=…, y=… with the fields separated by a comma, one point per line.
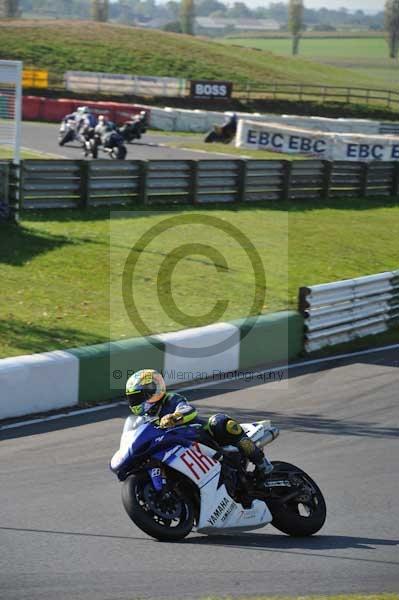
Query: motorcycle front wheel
x=211, y=137
x=66, y=137
x=165, y=515
x=304, y=514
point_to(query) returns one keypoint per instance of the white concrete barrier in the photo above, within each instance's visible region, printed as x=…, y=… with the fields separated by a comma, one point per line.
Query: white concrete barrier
x=200, y=352
x=38, y=383
x=199, y=121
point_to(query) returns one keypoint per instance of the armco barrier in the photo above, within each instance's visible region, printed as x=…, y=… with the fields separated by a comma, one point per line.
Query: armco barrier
x=42, y=382
x=68, y=183
x=47, y=183
x=339, y=312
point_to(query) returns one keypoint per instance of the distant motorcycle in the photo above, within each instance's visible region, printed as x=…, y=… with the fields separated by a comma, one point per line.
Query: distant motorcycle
x=133, y=130
x=222, y=133
x=68, y=132
x=112, y=145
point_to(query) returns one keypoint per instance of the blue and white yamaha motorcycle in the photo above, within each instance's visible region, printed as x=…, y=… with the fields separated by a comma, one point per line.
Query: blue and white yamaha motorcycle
x=176, y=480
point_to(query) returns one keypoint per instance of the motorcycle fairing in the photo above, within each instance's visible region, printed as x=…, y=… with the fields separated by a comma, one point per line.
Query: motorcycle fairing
x=218, y=510
x=145, y=437
x=179, y=449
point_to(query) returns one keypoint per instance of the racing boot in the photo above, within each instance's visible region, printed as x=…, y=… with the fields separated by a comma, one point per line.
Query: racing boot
x=263, y=466
x=262, y=471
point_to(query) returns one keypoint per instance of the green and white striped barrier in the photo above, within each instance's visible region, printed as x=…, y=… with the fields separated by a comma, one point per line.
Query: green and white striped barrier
x=53, y=380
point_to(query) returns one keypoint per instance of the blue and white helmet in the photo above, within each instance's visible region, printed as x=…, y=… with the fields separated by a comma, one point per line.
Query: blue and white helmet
x=144, y=389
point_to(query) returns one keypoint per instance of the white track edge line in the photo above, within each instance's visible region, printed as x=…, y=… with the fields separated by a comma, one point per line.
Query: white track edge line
x=207, y=384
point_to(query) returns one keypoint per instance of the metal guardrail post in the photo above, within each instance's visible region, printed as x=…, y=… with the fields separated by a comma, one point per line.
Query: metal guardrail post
x=248, y=90
x=242, y=169
x=142, y=186
x=327, y=175
x=303, y=293
x=193, y=182
x=18, y=183
x=395, y=181
x=5, y=208
x=364, y=179
x=286, y=183
x=84, y=174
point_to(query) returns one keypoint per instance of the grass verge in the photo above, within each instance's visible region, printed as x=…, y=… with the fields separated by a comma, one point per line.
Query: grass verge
x=60, y=46
x=6, y=154
x=61, y=270
x=231, y=150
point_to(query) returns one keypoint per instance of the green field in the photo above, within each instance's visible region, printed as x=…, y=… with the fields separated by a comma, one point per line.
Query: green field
x=366, y=56
x=62, y=45
x=61, y=270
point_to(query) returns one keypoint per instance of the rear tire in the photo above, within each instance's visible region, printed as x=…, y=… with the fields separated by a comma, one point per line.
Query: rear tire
x=288, y=518
x=141, y=502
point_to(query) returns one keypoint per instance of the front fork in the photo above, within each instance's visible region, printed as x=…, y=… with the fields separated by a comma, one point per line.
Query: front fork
x=158, y=478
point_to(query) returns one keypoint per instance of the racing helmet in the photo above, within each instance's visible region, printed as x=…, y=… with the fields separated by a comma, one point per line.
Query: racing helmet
x=84, y=110
x=144, y=389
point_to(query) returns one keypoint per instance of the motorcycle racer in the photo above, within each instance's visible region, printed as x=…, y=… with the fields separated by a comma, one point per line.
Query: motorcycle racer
x=146, y=394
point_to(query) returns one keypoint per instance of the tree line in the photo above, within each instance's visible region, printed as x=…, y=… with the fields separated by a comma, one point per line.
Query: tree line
x=181, y=14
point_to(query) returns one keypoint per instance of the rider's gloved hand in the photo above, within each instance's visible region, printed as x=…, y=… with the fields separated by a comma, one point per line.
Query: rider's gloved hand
x=170, y=420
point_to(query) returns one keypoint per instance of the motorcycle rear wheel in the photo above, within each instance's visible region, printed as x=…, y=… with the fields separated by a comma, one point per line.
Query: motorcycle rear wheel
x=164, y=519
x=299, y=517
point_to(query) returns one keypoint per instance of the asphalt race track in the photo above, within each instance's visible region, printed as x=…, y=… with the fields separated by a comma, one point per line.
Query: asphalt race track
x=64, y=533
x=43, y=137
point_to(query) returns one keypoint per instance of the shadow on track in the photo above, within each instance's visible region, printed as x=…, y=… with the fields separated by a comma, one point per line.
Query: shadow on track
x=310, y=546
x=261, y=542
x=267, y=541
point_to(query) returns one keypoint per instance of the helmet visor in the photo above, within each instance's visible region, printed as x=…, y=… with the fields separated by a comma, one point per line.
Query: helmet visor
x=138, y=397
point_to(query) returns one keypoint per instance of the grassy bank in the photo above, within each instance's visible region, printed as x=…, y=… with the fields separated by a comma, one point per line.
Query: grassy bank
x=62, y=269
x=366, y=56
x=62, y=45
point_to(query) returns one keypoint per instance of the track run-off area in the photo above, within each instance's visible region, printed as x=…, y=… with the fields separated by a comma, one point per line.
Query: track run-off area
x=64, y=533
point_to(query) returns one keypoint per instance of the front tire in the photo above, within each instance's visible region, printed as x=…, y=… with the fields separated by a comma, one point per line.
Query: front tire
x=66, y=138
x=301, y=516
x=211, y=137
x=163, y=518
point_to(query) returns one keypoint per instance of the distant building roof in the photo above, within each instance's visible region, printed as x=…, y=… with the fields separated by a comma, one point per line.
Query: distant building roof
x=219, y=23
x=153, y=23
